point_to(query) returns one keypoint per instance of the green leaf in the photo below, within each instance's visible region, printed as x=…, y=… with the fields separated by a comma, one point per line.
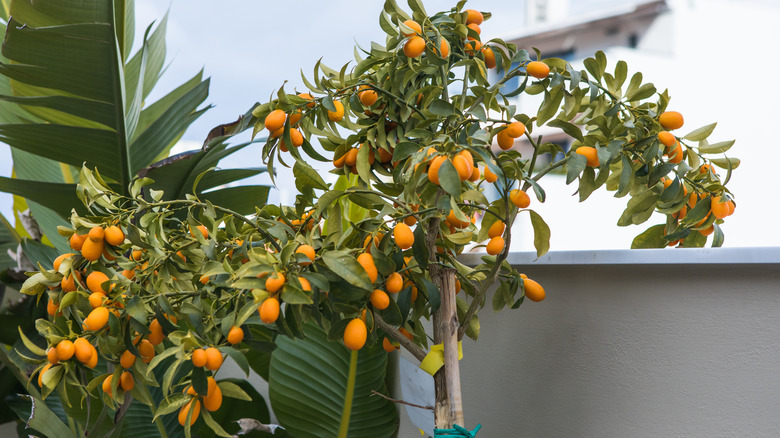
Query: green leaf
x=441, y=108
x=726, y=163
x=569, y=128
x=575, y=166
x=701, y=133
x=45, y=421
x=348, y=268
x=541, y=234
x=717, y=148
x=449, y=179
x=652, y=237
x=307, y=177
x=319, y=388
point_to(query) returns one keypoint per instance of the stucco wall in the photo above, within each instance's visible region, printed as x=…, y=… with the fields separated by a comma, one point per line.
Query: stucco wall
x=617, y=349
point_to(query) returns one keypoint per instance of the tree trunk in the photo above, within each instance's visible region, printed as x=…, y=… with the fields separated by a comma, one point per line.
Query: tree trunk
x=449, y=405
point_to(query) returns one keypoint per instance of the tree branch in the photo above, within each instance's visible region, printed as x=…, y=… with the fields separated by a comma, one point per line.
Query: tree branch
x=397, y=336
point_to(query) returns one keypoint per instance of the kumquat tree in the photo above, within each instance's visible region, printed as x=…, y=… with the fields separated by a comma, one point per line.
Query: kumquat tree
x=157, y=291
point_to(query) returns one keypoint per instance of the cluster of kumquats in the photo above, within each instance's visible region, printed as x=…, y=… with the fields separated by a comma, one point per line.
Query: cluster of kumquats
x=103, y=279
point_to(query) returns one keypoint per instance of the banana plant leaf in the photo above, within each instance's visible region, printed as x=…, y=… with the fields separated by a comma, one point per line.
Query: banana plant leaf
x=71, y=93
x=319, y=388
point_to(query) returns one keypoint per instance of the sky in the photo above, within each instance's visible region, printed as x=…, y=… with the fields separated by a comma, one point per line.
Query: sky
x=250, y=48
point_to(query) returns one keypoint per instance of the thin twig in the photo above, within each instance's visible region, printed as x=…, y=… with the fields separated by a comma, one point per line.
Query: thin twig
x=397, y=336
x=373, y=392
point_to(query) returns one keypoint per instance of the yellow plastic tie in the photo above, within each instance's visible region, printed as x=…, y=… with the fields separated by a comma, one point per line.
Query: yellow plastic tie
x=435, y=358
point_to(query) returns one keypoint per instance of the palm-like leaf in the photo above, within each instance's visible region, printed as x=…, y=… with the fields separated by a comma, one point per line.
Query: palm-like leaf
x=72, y=94
x=319, y=388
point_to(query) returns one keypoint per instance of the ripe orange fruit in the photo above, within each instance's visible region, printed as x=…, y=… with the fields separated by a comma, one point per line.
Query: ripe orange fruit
x=82, y=350
x=308, y=251
x=96, y=299
x=235, y=335
x=370, y=152
x=406, y=333
x=490, y=57
x=295, y=137
x=76, y=241
x=203, y=231
x=137, y=254
x=339, y=162
x=126, y=381
x=51, y=355
x=388, y=345
x=537, y=69
x=275, y=120
x=213, y=399
x=52, y=307
x=719, y=207
x=703, y=169
x=490, y=176
x=58, y=261
x=336, y=116
x=156, y=336
x=366, y=260
x=472, y=46
x=455, y=222
x=94, y=359
x=274, y=284
x=308, y=97
x=269, y=310
x=497, y=229
x=65, y=350
x=379, y=299
x=384, y=156
x=106, y=386
x=520, y=198
x=128, y=273
x=97, y=319
x=667, y=138
x=198, y=358
x=68, y=284
x=147, y=351
x=368, y=97
x=127, y=359
x=473, y=16
x=675, y=153
x=394, y=283
x=444, y=48
x=414, y=47
x=505, y=141
x=92, y=250
x=671, y=120
x=533, y=290
x=193, y=404
x=42, y=372
x=515, y=129
x=355, y=334
x=95, y=280
x=707, y=231
x=295, y=117
x=495, y=246
x=96, y=234
x=474, y=174
x=403, y=235
x=350, y=158
x=213, y=359
x=462, y=167
x=475, y=28
x=412, y=25
x=305, y=285
x=114, y=235
x=590, y=153
x=433, y=170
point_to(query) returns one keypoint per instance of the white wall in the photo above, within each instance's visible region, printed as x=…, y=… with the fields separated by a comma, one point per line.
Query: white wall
x=632, y=345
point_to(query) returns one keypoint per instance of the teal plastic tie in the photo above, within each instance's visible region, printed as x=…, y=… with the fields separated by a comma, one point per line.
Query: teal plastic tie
x=456, y=432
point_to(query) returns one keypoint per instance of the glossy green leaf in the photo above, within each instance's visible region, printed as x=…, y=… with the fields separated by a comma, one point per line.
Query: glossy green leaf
x=317, y=389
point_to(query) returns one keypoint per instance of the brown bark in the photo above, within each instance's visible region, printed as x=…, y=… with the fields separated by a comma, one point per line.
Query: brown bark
x=449, y=405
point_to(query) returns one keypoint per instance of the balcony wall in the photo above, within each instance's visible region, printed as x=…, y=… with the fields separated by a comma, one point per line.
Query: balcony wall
x=672, y=343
